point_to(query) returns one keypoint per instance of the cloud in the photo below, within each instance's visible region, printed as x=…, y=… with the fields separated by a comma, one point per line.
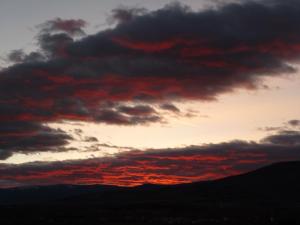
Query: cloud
x=137, y=110
x=294, y=123
x=28, y=137
x=288, y=134
x=159, y=166
x=133, y=117
x=125, y=14
x=149, y=57
x=291, y=124
x=170, y=107
x=19, y=56
x=71, y=26
x=16, y=56
x=90, y=139
x=286, y=137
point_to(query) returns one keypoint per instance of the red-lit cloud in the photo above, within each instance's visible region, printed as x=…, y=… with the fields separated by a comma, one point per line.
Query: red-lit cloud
x=163, y=166
x=149, y=58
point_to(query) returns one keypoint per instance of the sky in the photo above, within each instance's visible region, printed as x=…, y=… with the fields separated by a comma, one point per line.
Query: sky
x=163, y=92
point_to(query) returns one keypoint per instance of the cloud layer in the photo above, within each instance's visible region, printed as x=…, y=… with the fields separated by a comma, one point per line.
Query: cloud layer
x=150, y=57
x=160, y=166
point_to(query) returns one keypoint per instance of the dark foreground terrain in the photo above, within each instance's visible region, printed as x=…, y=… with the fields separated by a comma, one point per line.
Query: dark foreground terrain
x=270, y=195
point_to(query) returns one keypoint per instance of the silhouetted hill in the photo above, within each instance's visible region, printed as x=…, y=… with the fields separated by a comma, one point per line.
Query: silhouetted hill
x=40, y=194
x=277, y=182
x=267, y=196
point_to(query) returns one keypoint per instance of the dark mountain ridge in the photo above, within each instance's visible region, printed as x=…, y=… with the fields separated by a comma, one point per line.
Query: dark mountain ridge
x=266, y=196
x=276, y=182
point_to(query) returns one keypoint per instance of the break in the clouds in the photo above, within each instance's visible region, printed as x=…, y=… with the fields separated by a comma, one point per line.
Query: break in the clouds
x=148, y=59
x=160, y=166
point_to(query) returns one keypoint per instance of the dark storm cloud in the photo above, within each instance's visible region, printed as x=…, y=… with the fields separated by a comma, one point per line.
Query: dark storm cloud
x=19, y=56
x=294, y=123
x=161, y=166
x=90, y=139
x=149, y=57
x=138, y=110
x=27, y=137
x=16, y=56
x=133, y=117
x=125, y=14
x=169, y=107
x=71, y=26
x=286, y=137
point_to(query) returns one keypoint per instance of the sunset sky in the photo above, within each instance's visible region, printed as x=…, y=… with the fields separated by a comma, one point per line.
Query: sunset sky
x=132, y=92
